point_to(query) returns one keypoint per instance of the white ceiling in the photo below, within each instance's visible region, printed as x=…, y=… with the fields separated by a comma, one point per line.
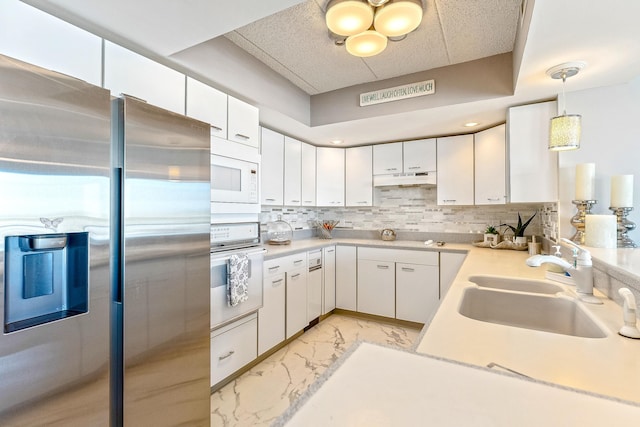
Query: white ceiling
x=604, y=34
x=296, y=44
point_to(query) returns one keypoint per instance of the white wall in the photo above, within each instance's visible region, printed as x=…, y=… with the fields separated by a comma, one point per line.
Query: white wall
x=611, y=140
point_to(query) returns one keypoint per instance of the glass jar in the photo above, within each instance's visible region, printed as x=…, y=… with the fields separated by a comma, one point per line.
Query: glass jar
x=279, y=232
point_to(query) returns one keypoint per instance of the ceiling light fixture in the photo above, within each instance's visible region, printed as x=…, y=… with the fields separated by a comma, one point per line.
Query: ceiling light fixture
x=368, y=24
x=565, y=130
x=336, y=141
x=471, y=124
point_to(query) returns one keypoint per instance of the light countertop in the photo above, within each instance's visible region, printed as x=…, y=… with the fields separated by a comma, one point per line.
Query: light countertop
x=601, y=365
x=568, y=375
x=379, y=386
x=274, y=251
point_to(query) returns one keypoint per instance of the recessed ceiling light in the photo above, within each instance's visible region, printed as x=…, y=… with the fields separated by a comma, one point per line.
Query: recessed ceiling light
x=337, y=141
x=471, y=124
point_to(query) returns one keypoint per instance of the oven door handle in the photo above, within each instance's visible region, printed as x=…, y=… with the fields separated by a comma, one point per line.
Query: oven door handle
x=218, y=259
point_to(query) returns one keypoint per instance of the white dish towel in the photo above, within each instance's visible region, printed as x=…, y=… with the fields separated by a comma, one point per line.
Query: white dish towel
x=238, y=279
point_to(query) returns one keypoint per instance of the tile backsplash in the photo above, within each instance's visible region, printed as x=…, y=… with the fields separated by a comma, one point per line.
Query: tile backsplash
x=415, y=209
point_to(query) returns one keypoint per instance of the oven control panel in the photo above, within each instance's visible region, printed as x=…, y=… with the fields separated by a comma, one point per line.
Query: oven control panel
x=234, y=234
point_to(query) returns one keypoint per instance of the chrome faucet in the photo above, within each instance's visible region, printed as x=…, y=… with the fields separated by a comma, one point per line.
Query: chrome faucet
x=581, y=271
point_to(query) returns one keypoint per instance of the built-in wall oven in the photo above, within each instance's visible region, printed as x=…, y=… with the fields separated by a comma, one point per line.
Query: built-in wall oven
x=227, y=240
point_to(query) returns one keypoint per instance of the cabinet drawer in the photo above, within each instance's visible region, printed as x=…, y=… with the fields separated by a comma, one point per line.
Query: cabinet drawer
x=274, y=266
x=285, y=263
x=399, y=255
x=295, y=261
x=232, y=347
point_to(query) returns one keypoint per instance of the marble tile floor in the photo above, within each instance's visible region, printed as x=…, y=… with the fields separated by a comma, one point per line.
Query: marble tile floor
x=262, y=394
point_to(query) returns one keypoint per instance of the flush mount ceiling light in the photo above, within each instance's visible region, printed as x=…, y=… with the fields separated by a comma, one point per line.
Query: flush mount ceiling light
x=565, y=130
x=368, y=24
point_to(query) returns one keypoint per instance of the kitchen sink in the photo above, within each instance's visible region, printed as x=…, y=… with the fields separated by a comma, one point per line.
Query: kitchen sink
x=554, y=314
x=514, y=284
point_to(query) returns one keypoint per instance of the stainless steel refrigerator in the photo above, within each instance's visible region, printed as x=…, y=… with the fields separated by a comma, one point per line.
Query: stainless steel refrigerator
x=104, y=257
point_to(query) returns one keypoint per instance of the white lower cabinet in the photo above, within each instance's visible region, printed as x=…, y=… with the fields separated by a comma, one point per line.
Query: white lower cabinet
x=398, y=283
x=296, y=317
x=346, y=277
x=232, y=347
x=329, y=279
x=376, y=287
x=271, y=315
x=417, y=291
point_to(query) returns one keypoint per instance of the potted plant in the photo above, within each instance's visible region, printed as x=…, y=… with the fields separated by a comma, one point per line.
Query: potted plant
x=518, y=230
x=491, y=235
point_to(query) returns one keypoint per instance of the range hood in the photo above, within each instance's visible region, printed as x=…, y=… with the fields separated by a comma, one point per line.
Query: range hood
x=405, y=179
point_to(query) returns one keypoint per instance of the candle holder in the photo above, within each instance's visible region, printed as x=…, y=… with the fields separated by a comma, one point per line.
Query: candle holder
x=578, y=221
x=624, y=227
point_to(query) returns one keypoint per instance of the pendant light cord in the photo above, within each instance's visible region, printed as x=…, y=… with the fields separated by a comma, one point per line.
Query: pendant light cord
x=564, y=97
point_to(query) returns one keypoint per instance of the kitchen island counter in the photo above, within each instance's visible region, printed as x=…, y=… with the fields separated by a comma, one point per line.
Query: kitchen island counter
x=375, y=385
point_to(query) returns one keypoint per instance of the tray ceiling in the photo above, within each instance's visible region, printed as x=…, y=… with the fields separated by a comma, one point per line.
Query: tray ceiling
x=295, y=43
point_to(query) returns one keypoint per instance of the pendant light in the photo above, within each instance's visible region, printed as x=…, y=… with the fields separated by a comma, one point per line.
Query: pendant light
x=565, y=130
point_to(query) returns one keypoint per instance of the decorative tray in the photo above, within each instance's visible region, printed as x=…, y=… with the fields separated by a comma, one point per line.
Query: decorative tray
x=506, y=244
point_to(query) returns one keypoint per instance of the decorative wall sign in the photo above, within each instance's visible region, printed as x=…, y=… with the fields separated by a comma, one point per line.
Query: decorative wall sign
x=397, y=93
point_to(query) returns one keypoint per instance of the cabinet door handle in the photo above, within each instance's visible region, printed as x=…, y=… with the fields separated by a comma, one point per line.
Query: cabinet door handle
x=413, y=167
x=275, y=267
x=391, y=169
x=295, y=276
x=408, y=269
x=383, y=267
x=308, y=201
x=298, y=261
x=275, y=283
x=216, y=128
x=227, y=355
x=270, y=200
x=449, y=200
x=330, y=251
x=494, y=199
x=295, y=201
x=241, y=136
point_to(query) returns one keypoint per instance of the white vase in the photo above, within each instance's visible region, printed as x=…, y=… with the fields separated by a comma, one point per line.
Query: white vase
x=520, y=240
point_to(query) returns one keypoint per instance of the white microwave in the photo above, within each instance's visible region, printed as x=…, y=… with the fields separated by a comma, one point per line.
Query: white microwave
x=234, y=185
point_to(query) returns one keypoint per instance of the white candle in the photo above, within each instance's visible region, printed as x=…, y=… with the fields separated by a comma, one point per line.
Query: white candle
x=600, y=231
x=622, y=191
x=585, y=181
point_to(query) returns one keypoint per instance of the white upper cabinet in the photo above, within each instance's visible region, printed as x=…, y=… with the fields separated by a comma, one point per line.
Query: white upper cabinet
x=243, y=122
x=533, y=168
x=490, y=166
x=272, y=167
x=126, y=72
x=330, y=176
x=308, y=175
x=387, y=158
x=38, y=38
x=455, y=170
x=292, y=172
x=209, y=105
x=419, y=155
x=359, y=178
